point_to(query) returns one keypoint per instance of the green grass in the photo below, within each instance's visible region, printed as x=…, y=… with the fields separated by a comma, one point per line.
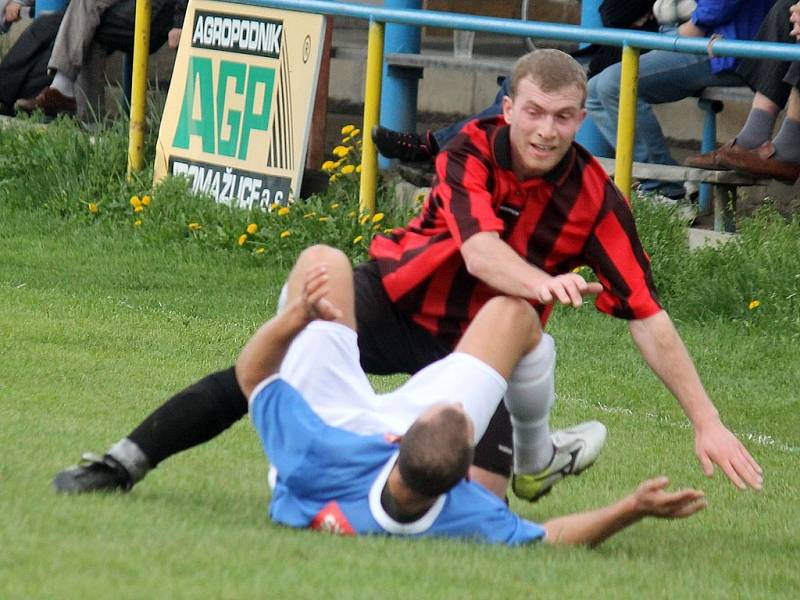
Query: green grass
x=99, y=325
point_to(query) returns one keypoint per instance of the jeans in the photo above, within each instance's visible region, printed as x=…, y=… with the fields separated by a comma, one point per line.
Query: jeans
x=444, y=135
x=663, y=77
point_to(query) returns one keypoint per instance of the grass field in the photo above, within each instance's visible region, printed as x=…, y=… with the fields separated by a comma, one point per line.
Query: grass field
x=98, y=327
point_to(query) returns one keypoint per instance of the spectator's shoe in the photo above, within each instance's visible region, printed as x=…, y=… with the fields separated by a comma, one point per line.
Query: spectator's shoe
x=94, y=473
x=760, y=162
x=711, y=160
x=406, y=147
x=576, y=449
x=50, y=101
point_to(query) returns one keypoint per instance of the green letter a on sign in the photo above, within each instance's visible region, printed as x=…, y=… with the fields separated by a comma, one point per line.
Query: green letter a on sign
x=200, y=80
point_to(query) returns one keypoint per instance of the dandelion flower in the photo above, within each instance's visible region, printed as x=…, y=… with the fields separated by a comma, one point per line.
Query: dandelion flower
x=137, y=222
x=358, y=239
x=285, y=234
x=377, y=217
x=347, y=169
x=754, y=304
x=363, y=219
x=145, y=200
x=242, y=239
x=138, y=209
x=328, y=166
x=347, y=129
x=388, y=230
x=283, y=211
x=351, y=214
x=334, y=206
x=194, y=226
x=333, y=178
x=93, y=208
x=355, y=132
x=261, y=250
x=274, y=206
x=251, y=228
x=135, y=202
x=341, y=151
x=358, y=169
x=310, y=215
x=324, y=219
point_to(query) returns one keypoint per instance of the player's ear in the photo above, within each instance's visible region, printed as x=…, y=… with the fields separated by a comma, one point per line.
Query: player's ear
x=392, y=438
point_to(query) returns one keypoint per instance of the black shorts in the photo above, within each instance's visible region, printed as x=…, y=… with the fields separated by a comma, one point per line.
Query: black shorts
x=390, y=342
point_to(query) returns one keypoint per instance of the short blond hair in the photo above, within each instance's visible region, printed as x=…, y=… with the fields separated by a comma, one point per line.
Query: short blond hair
x=550, y=69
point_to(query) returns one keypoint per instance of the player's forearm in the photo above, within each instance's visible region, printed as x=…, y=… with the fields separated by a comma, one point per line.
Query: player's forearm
x=263, y=354
x=665, y=354
x=494, y=262
x=593, y=527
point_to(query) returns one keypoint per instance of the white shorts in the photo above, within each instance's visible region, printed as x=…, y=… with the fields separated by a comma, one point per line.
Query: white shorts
x=323, y=365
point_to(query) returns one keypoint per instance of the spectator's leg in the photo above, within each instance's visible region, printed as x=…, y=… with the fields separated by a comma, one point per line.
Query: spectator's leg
x=90, y=85
x=760, y=121
x=787, y=141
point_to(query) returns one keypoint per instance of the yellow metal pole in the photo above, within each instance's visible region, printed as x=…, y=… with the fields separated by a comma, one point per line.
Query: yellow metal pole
x=626, y=124
x=141, y=54
x=372, y=105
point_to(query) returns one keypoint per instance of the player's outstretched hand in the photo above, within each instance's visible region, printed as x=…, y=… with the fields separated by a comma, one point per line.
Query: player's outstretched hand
x=715, y=444
x=569, y=288
x=315, y=289
x=652, y=499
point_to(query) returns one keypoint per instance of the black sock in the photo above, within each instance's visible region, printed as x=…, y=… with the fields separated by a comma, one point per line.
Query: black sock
x=192, y=416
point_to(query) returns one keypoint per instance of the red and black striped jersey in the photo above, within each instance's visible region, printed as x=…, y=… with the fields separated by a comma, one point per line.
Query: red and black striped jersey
x=570, y=217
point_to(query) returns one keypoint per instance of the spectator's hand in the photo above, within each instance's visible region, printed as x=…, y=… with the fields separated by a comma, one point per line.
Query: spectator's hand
x=794, y=19
x=12, y=12
x=689, y=29
x=313, y=299
x=174, y=37
x=653, y=500
x=569, y=288
x=714, y=443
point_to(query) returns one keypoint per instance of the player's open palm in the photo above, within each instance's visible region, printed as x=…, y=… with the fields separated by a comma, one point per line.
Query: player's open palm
x=569, y=288
x=715, y=444
x=653, y=499
x=316, y=289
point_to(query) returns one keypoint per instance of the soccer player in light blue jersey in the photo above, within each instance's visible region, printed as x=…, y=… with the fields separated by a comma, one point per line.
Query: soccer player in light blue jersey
x=347, y=460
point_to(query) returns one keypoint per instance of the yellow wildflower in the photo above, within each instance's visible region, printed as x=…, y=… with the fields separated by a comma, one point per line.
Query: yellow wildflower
x=754, y=304
x=376, y=227
x=355, y=132
x=333, y=178
x=358, y=169
x=363, y=219
x=377, y=217
x=324, y=219
x=194, y=226
x=341, y=151
x=261, y=250
x=251, y=228
x=358, y=239
x=135, y=202
x=283, y=211
x=137, y=222
x=138, y=209
x=93, y=208
x=285, y=234
x=145, y=200
x=328, y=166
x=274, y=206
x=334, y=206
x=242, y=239
x=347, y=129
x=388, y=230
x=310, y=215
x=351, y=214
x=347, y=169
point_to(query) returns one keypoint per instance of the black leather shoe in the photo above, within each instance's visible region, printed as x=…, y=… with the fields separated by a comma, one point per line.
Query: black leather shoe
x=94, y=473
x=406, y=147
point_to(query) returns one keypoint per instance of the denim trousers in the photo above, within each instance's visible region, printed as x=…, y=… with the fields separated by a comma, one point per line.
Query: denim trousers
x=663, y=77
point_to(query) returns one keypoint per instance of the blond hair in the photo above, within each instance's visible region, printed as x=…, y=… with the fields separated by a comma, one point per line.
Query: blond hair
x=550, y=69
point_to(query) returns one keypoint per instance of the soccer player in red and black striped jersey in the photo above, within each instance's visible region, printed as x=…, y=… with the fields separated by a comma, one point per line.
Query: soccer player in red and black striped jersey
x=515, y=207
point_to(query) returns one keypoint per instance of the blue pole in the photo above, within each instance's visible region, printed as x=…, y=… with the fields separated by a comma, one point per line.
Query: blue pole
x=589, y=135
x=44, y=7
x=399, y=92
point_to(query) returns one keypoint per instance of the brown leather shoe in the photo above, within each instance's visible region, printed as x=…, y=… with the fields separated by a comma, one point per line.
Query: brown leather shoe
x=50, y=101
x=710, y=160
x=759, y=162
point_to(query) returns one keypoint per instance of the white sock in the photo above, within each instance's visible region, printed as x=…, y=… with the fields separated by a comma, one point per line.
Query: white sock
x=63, y=84
x=530, y=396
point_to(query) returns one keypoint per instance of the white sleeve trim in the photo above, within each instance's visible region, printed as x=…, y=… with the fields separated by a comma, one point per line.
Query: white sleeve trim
x=260, y=387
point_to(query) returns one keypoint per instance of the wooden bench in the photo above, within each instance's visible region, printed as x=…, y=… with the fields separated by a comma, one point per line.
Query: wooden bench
x=724, y=185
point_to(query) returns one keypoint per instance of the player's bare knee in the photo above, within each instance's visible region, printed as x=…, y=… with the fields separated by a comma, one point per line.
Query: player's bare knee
x=517, y=316
x=320, y=254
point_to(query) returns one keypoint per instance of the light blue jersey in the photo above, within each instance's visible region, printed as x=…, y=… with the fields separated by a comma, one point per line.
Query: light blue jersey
x=331, y=479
